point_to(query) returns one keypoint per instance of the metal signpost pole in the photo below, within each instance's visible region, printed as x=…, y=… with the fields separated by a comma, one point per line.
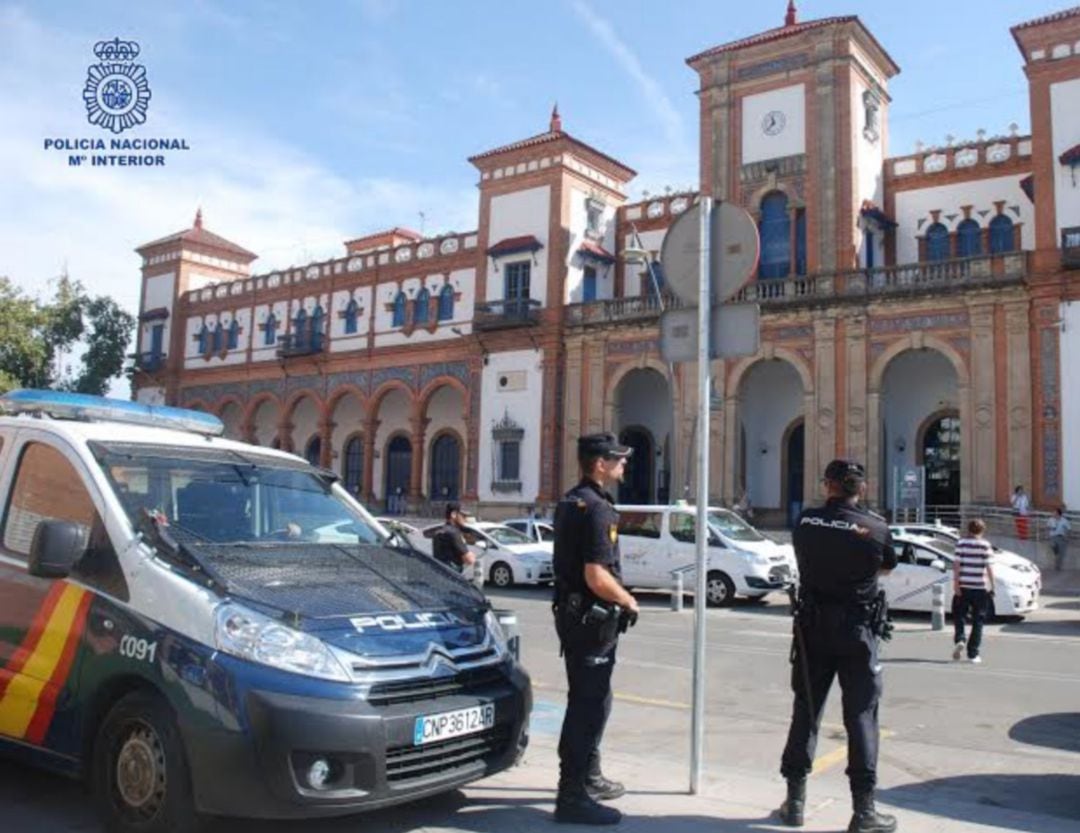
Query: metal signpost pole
x=702, y=534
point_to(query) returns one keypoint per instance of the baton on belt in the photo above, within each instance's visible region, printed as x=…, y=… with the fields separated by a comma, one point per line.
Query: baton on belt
x=800, y=649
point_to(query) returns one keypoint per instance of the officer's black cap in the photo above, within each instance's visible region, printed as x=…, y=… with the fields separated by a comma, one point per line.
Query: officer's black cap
x=840, y=470
x=602, y=445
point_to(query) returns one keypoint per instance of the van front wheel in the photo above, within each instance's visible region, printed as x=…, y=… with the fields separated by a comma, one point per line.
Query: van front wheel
x=719, y=589
x=140, y=777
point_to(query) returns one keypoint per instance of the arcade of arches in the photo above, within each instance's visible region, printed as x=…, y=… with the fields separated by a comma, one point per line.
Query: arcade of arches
x=395, y=444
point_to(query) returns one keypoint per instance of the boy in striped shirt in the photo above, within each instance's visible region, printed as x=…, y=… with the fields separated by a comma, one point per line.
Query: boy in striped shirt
x=973, y=584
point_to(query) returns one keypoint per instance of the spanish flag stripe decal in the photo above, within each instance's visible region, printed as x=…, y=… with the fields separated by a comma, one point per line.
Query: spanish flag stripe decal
x=39, y=725
x=24, y=690
x=33, y=633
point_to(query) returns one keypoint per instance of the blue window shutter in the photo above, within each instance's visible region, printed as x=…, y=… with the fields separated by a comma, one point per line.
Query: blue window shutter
x=399, y=310
x=588, y=284
x=234, y=335
x=937, y=242
x=351, y=312
x=422, y=305
x=1001, y=234
x=775, y=233
x=968, y=239
x=446, y=303
x=157, y=338
x=270, y=338
x=202, y=342
x=800, y=242
x=868, y=247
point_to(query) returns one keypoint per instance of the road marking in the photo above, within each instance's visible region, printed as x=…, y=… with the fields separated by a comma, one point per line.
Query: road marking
x=831, y=759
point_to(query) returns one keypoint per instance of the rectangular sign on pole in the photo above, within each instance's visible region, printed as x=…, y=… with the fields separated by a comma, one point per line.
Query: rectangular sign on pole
x=734, y=331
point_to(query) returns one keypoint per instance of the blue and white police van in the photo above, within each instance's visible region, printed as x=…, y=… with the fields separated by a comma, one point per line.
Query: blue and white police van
x=200, y=626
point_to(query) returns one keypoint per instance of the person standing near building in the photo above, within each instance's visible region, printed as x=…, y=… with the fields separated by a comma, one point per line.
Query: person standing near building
x=839, y=615
x=1021, y=505
x=448, y=545
x=591, y=607
x=973, y=585
x=1059, y=536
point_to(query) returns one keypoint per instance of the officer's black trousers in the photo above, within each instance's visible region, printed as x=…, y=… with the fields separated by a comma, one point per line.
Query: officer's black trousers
x=588, y=705
x=837, y=644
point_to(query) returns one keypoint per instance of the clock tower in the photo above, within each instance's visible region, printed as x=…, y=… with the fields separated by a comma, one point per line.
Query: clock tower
x=794, y=127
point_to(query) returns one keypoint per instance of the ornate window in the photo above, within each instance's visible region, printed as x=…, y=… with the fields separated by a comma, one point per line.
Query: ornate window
x=234, y=334
x=871, y=106
x=516, y=281
x=399, y=310
x=299, y=327
x=270, y=331
x=594, y=214
x=352, y=312
x=775, y=230
x=317, y=328
x=201, y=339
x=588, y=284
x=218, y=341
x=1001, y=235
x=422, y=307
x=446, y=303
x=507, y=436
x=968, y=238
x=937, y=242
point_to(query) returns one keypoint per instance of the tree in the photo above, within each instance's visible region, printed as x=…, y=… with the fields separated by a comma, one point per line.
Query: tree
x=34, y=333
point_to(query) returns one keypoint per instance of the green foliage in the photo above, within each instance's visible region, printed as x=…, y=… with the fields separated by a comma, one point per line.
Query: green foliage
x=35, y=332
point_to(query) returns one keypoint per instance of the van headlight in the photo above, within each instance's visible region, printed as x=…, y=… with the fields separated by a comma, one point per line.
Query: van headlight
x=252, y=636
x=498, y=635
x=755, y=558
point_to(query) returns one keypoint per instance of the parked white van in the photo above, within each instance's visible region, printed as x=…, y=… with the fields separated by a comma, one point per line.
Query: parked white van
x=656, y=540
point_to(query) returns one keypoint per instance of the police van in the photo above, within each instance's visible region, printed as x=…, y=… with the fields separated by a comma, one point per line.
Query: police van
x=199, y=626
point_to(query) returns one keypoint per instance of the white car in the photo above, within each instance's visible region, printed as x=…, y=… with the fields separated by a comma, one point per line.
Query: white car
x=925, y=561
x=655, y=541
x=411, y=535
x=506, y=556
x=951, y=535
x=535, y=529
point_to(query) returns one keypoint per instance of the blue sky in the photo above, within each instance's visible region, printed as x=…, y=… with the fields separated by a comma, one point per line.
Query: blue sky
x=312, y=123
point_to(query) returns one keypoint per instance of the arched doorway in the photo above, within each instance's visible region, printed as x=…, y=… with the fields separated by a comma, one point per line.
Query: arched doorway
x=313, y=450
x=352, y=468
x=771, y=401
x=795, y=470
x=445, y=468
x=940, y=451
x=398, y=471
x=637, y=485
x=642, y=420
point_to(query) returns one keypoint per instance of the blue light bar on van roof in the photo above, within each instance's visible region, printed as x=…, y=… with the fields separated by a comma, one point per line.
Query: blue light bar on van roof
x=102, y=409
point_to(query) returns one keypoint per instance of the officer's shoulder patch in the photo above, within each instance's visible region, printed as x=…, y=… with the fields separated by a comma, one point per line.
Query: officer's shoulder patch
x=581, y=504
x=613, y=533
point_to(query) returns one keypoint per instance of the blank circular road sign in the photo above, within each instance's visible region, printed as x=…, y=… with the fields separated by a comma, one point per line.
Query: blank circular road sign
x=734, y=245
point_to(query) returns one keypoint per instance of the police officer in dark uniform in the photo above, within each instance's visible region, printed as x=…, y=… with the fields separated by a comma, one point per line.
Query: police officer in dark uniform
x=448, y=544
x=839, y=616
x=591, y=608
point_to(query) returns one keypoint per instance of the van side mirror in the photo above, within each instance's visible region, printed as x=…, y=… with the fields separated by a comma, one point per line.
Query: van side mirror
x=56, y=547
x=938, y=564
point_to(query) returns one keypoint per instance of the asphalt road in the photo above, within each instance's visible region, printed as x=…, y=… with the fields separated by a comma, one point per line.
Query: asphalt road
x=1002, y=735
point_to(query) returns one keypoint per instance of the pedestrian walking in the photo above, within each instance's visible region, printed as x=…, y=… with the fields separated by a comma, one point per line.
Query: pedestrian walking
x=1059, y=536
x=448, y=544
x=591, y=608
x=1021, y=505
x=839, y=616
x=973, y=587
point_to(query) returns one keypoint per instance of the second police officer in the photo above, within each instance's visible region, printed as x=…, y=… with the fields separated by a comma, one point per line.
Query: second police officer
x=591, y=608
x=839, y=616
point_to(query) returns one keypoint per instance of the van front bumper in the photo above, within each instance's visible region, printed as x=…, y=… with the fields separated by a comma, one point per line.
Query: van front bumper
x=256, y=763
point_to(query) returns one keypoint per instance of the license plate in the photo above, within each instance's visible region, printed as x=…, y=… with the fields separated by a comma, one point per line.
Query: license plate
x=434, y=727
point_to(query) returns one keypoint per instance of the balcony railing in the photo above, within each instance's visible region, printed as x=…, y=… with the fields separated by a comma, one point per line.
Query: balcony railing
x=1070, y=247
x=903, y=279
x=300, y=344
x=149, y=362
x=507, y=314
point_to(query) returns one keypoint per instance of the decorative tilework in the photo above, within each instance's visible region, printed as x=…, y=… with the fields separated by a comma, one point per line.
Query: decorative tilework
x=456, y=370
x=908, y=324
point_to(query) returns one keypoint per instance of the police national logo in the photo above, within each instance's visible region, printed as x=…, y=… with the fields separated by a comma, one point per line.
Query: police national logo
x=116, y=92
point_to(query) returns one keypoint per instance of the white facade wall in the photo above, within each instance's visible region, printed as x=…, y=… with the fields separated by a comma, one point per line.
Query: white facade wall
x=232, y=415
x=915, y=205
x=1065, y=117
x=265, y=420
x=868, y=160
x=339, y=340
x=524, y=407
x=150, y=396
x=261, y=351
x=575, y=264
x=915, y=385
x=464, y=283
x=1070, y=403
x=790, y=105
x=158, y=293
x=516, y=215
x=771, y=398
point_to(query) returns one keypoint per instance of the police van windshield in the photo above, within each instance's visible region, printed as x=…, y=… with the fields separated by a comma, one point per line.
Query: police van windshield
x=732, y=527
x=225, y=498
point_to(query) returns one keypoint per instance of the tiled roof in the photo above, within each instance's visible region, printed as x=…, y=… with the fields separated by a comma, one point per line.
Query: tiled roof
x=546, y=138
x=1071, y=156
x=510, y=245
x=786, y=31
x=1050, y=18
x=202, y=237
x=591, y=248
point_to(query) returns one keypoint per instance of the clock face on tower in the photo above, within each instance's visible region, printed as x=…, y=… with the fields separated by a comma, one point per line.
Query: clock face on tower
x=773, y=123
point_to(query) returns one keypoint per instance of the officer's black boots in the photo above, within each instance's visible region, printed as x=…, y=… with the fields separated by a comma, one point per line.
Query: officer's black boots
x=791, y=811
x=600, y=788
x=866, y=818
x=575, y=806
